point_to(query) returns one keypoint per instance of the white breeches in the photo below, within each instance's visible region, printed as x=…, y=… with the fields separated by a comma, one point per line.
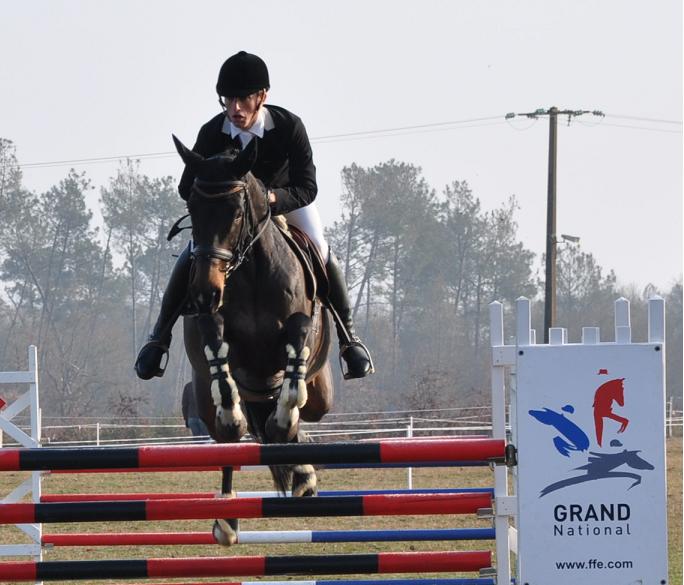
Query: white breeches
x=308, y=220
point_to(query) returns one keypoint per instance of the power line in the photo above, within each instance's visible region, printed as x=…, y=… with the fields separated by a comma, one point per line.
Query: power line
x=632, y=127
x=637, y=118
x=58, y=163
x=406, y=132
x=380, y=133
x=403, y=128
x=398, y=131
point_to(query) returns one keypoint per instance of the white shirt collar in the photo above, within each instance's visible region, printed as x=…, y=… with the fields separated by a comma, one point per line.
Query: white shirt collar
x=263, y=123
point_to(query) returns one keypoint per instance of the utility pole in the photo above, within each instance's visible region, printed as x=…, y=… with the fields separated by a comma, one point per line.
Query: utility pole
x=551, y=239
x=550, y=280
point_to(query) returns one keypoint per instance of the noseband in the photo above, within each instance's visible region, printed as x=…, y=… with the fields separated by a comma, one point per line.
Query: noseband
x=246, y=239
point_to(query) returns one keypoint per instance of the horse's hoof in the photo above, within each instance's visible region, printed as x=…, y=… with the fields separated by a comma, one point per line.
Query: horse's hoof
x=229, y=432
x=304, y=482
x=225, y=532
x=277, y=434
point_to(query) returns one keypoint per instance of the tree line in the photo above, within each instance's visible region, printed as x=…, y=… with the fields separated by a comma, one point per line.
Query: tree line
x=422, y=267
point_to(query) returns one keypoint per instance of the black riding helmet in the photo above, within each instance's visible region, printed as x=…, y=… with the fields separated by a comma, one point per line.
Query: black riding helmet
x=241, y=75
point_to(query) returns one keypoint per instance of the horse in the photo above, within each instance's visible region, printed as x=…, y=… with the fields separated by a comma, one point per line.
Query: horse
x=257, y=337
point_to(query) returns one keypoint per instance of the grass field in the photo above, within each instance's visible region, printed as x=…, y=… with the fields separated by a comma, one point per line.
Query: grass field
x=328, y=480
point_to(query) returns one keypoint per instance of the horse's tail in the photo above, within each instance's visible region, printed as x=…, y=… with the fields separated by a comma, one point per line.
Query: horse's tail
x=282, y=477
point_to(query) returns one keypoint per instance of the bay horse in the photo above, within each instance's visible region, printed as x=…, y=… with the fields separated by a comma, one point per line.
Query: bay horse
x=258, y=340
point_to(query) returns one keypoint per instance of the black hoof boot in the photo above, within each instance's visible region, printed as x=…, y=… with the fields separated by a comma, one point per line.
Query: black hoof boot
x=149, y=362
x=358, y=360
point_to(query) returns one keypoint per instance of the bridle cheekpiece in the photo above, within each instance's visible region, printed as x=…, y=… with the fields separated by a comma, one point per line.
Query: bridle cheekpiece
x=246, y=239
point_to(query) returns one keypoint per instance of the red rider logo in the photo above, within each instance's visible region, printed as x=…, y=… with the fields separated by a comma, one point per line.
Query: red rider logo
x=611, y=391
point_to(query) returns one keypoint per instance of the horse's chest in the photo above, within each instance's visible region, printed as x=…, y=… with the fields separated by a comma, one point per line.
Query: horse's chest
x=261, y=310
x=279, y=291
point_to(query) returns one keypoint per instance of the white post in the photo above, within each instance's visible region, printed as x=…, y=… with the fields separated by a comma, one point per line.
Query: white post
x=97, y=433
x=501, y=497
x=656, y=319
x=558, y=336
x=523, y=321
x=409, y=470
x=33, y=389
x=623, y=329
x=35, y=530
x=591, y=335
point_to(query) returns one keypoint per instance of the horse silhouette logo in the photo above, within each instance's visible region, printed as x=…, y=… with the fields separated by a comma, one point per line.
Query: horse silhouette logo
x=607, y=393
x=603, y=466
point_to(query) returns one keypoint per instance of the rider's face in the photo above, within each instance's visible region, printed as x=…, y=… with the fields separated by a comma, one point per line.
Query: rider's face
x=243, y=111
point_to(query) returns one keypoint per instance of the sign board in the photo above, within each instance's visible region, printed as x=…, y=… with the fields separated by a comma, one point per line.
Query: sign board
x=591, y=464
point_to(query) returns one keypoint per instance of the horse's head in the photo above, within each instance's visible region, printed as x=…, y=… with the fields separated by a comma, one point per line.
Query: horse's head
x=226, y=206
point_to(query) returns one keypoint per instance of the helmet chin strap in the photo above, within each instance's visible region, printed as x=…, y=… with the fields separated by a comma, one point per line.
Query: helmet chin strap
x=260, y=104
x=256, y=112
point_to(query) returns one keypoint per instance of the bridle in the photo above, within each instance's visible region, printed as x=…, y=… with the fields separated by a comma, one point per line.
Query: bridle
x=246, y=239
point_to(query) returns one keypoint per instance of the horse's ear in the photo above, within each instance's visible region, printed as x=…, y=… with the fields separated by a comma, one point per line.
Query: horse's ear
x=245, y=160
x=189, y=156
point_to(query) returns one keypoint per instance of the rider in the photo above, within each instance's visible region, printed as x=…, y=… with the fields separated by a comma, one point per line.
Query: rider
x=285, y=166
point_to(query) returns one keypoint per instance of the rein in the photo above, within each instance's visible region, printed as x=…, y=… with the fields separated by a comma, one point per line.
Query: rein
x=246, y=239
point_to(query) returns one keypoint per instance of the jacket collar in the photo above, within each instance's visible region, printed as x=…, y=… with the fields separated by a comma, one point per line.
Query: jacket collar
x=263, y=123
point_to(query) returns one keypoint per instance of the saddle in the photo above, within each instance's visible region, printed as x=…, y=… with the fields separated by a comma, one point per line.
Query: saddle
x=308, y=254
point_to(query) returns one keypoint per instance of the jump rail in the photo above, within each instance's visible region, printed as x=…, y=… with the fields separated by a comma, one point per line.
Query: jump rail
x=195, y=509
x=379, y=563
x=211, y=495
x=267, y=537
x=403, y=452
x=466, y=581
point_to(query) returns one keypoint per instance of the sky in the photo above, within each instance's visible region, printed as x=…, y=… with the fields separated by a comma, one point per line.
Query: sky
x=427, y=83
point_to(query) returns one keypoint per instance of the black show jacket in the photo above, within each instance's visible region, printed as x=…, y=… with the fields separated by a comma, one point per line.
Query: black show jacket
x=284, y=159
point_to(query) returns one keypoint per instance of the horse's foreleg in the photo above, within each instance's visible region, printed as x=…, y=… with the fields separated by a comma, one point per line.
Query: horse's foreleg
x=282, y=426
x=231, y=424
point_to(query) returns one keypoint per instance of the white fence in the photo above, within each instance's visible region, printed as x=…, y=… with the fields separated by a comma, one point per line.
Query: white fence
x=415, y=424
